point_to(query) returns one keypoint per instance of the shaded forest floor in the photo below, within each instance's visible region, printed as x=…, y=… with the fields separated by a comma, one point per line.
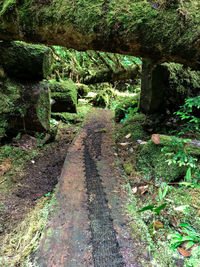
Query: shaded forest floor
x=29, y=174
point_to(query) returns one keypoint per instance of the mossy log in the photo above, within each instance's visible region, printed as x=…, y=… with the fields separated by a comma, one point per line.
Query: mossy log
x=164, y=87
x=167, y=32
x=64, y=94
x=113, y=75
x=26, y=61
x=24, y=106
x=190, y=147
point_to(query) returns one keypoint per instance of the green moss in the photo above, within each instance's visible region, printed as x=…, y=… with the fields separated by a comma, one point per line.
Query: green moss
x=67, y=117
x=153, y=161
x=134, y=126
x=26, y=61
x=128, y=167
x=183, y=80
x=124, y=103
x=82, y=89
x=43, y=108
x=101, y=100
x=9, y=95
x=64, y=93
x=7, y=6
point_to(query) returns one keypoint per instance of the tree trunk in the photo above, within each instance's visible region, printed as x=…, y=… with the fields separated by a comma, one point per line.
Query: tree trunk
x=26, y=61
x=112, y=76
x=161, y=33
x=165, y=87
x=191, y=147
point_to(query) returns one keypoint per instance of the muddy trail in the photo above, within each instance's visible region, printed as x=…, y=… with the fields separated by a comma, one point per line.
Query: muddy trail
x=87, y=225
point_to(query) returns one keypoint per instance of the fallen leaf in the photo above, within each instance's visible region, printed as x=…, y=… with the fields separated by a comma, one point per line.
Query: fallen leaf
x=134, y=190
x=158, y=225
x=124, y=144
x=184, y=252
x=143, y=143
x=128, y=136
x=143, y=189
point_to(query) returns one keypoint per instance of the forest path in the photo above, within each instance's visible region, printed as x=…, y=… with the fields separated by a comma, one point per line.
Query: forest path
x=87, y=225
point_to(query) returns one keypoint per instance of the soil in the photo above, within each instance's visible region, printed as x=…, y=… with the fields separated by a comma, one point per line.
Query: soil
x=41, y=175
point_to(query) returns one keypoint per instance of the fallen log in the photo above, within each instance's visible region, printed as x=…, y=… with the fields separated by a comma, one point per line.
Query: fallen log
x=167, y=32
x=26, y=61
x=190, y=147
x=64, y=94
x=113, y=75
x=24, y=107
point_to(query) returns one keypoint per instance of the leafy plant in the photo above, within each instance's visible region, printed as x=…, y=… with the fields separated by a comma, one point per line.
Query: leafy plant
x=129, y=113
x=187, y=113
x=157, y=208
x=181, y=158
x=189, y=235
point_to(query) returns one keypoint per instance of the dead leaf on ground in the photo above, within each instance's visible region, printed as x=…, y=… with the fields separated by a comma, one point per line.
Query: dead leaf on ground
x=128, y=136
x=158, y=225
x=134, y=190
x=198, y=213
x=143, y=143
x=124, y=144
x=184, y=252
x=143, y=189
x=5, y=167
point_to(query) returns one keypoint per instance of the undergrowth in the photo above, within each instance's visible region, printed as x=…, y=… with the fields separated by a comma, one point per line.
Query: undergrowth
x=23, y=240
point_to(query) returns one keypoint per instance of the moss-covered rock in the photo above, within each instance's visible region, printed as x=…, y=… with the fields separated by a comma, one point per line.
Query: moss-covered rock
x=153, y=162
x=82, y=89
x=100, y=100
x=122, y=108
x=9, y=95
x=64, y=94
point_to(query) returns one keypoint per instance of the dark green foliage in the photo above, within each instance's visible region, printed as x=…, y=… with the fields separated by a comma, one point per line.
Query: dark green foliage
x=154, y=163
x=189, y=113
x=100, y=100
x=125, y=103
